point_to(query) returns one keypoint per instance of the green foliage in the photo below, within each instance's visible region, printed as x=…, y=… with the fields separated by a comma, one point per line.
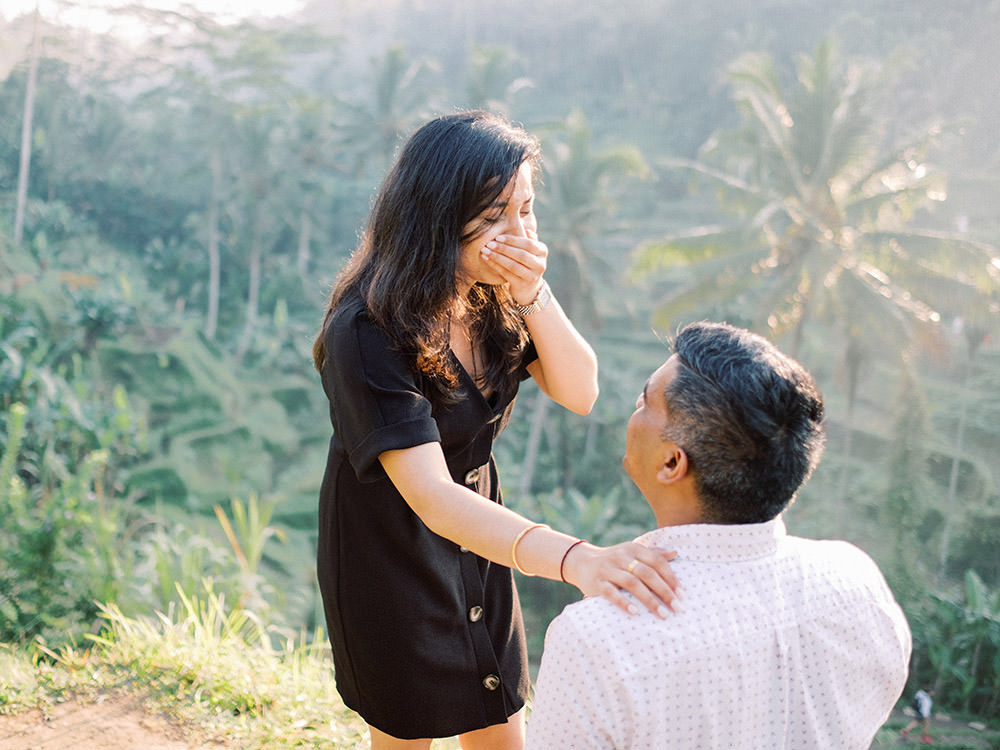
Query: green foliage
x=493, y=81
x=182, y=559
x=908, y=492
x=577, y=209
x=816, y=241
x=957, y=648
x=67, y=535
x=600, y=519
x=980, y=546
x=8, y=462
x=67, y=550
x=816, y=213
x=63, y=550
x=221, y=428
x=75, y=410
x=397, y=102
x=187, y=210
x=219, y=631
x=213, y=666
x=179, y=559
x=49, y=327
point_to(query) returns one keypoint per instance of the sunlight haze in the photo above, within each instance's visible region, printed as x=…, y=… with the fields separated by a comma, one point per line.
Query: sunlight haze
x=99, y=15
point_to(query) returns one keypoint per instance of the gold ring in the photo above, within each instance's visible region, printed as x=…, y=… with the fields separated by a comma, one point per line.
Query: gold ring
x=631, y=566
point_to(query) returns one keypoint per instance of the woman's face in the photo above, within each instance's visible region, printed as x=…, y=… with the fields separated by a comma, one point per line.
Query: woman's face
x=512, y=214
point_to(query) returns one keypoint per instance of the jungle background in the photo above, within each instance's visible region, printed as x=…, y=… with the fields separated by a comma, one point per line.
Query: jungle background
x=177, y=194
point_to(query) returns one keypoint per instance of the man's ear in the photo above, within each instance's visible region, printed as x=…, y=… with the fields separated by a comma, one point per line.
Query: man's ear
x=675, y=465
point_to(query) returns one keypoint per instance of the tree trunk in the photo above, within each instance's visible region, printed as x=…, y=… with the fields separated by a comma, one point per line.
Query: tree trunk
x=853, y=359
x=566, y=480
x=26, y=135
x=973, y=668
x=253, y=288
x=214, y=261
x=845, y=469
x=534, y=443
x=956, y=462
x=303, y=256
x=798, y=332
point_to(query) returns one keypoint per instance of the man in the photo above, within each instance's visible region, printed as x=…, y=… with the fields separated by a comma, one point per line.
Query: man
x=782, y=642
x=922, y=704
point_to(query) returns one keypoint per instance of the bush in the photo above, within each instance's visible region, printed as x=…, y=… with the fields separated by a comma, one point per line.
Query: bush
x=60, y=547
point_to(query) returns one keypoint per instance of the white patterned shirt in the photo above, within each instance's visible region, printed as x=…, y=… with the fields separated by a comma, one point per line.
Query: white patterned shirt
x=783, y=642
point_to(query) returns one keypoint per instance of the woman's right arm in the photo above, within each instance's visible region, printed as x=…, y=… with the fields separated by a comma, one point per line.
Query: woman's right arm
x=490, y=530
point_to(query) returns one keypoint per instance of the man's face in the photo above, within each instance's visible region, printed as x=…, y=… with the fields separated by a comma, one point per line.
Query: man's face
x=645, y=448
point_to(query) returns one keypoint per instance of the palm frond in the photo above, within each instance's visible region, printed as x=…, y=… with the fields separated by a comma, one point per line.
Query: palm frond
x=697, y=244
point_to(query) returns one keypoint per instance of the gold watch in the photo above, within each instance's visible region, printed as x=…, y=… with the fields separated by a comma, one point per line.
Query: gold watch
x=539, y=303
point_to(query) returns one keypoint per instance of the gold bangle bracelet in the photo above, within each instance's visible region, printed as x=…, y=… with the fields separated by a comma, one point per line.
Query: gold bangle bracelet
x=517, y=541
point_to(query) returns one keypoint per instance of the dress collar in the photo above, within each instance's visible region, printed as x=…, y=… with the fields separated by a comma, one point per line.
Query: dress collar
x=706, y=542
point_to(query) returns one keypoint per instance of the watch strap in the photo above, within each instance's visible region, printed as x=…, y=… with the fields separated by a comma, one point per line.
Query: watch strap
x=539, y=303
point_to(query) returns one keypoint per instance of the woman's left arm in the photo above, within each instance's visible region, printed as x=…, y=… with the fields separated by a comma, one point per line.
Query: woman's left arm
x=566, y=368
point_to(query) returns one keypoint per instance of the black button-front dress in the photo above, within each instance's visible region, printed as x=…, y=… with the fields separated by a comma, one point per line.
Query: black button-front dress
x=427, y=637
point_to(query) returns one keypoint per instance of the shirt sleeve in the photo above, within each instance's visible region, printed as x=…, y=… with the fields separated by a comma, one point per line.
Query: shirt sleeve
x=575, y=702
x=375, y=402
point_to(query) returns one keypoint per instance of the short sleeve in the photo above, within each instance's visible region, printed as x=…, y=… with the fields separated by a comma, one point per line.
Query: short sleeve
x=375, y=402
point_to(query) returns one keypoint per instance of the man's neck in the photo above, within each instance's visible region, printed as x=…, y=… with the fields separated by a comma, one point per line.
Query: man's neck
x=677, y=513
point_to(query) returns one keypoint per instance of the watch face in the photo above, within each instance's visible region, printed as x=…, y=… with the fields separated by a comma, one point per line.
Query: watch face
x=540, y=302
x=544, y=297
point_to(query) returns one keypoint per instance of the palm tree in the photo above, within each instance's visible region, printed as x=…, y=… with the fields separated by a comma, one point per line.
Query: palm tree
x=820, y=220
x=975, y=333
x=310, y=147
x=576, y=205
x=575, y=209
x=372, y=129
x=492, y=80
x=258, y=175
x=235, y=87
x=26, y=133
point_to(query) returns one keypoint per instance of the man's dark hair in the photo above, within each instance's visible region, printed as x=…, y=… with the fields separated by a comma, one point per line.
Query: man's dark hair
x=749, y=419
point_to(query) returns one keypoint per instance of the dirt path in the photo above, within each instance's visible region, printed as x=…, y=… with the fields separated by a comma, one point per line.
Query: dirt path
x=120, y=722
x=112, y=722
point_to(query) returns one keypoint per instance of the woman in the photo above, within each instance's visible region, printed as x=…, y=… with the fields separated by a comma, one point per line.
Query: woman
x=438, y=316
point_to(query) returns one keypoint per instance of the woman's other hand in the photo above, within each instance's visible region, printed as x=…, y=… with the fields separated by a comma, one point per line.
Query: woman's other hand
x=642, y=571
x=520, y=260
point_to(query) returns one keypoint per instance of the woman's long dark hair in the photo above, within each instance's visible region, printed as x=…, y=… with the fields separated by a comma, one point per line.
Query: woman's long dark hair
x=448, y=173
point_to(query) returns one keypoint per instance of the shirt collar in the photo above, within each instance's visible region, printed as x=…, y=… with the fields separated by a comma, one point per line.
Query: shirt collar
x=707, y=542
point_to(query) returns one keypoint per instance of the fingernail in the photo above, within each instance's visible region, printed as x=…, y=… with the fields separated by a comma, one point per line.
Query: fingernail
x=501, y=238
x=663, y=612
x=487, y=252
x=679, y=592
x=677, y=606
x=632, y=609
x=492, y=244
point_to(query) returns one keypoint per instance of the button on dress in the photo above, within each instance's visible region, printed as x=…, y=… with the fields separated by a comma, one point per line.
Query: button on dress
x=427, y=637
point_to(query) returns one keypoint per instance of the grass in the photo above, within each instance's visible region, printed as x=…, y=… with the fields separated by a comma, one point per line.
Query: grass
x=216, y=671
x=226, y=678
